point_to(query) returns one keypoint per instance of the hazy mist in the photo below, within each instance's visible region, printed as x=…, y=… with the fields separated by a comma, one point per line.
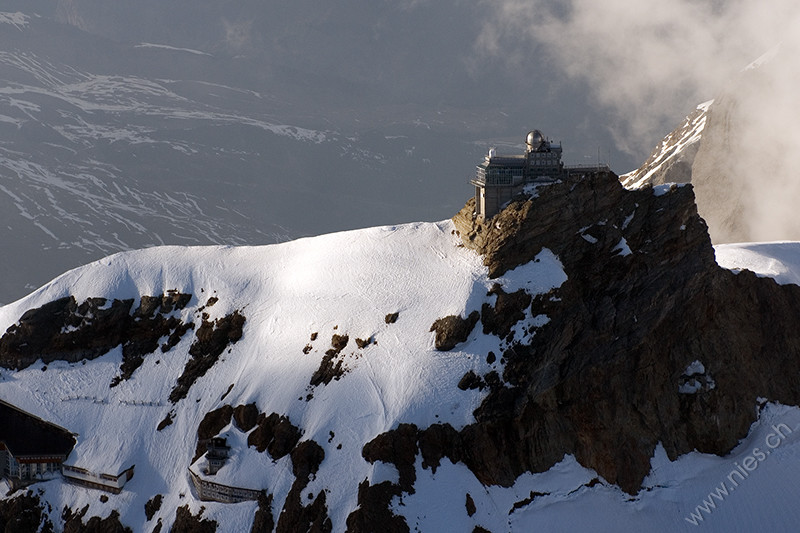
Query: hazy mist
x=650, y=62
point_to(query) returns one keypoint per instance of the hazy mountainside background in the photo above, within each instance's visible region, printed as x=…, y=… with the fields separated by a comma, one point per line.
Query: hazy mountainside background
x=127, y=125
x=740, y=153
x=124, y=126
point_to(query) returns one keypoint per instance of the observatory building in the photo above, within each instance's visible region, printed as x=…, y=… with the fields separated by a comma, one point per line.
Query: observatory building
x=501, y=177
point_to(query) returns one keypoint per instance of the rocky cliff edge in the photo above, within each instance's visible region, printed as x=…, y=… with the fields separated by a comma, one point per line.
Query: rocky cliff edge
x=648, y=341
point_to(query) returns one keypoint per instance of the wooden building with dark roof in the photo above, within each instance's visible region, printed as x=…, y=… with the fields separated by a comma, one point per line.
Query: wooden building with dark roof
x=31, y=449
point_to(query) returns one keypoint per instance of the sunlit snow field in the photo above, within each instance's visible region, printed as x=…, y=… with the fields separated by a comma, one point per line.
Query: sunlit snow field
x=347, y=283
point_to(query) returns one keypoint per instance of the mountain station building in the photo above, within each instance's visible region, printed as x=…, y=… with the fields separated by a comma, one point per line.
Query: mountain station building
x=31, y=449
x=501, y=177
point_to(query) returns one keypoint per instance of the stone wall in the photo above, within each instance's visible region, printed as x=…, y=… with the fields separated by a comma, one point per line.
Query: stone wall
x=210, y=491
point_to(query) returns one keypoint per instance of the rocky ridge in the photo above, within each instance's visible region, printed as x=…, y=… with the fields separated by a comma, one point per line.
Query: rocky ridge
x=63, y=330
x=604, y=379
x=702, y=151
x=671, y=161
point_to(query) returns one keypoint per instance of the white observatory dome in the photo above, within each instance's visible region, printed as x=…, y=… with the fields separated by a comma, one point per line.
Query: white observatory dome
x=534, y=139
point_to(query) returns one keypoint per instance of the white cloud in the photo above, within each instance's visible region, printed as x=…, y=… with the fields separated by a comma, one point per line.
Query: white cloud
x=237, y=34
x=649, y=61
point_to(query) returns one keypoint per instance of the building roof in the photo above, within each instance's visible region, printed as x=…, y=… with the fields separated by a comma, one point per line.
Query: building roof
x=25, y=434
x=504, y=160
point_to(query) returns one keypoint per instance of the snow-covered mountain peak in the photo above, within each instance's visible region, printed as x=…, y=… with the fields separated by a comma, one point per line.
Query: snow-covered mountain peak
x=340, y=284
x=671, y=161
x=388, y=377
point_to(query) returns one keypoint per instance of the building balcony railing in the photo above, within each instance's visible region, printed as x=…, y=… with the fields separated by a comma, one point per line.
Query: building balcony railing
x=498, y=181
x=600, y=167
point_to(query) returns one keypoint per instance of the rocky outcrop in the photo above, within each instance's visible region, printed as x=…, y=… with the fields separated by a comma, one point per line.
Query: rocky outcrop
x=739, y=153
x=671, y=161
x=210, y=426
x=275, y=434
x=212, y=339
x=245, y=416
x=152, y=506
x=186, y=522
x=24, y=512
x=583, y=220
x=707, y=151
x=306, y=459
x=605, y=377
x=332, y=364
x=507, y=311
x=64, y=330
x=398, y=447
x=452, y=330
x=73, y=522
x=263, y=522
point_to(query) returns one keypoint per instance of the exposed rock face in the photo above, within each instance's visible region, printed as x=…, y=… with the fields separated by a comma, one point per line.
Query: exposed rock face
x=306, y=459
x=210, y=426
x=152, y=506
x=672, y=160
x=399, y=448
x=66, y=331
x=275, y=434
x=73, y=522
x=705, y=152
x=186, y=522
x=24, y=513
x=507, y=311
x=605, y=377
x=332, y=365
x=263, y=522
x=582, y=221
x=453, y=329
x=212, y=339
x=246, y=416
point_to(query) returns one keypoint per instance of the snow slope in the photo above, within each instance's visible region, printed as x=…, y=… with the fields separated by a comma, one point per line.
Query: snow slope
x=346, y=283
x=679, y=145
x=777, y=260
x=343, y=283
x=108, y=146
